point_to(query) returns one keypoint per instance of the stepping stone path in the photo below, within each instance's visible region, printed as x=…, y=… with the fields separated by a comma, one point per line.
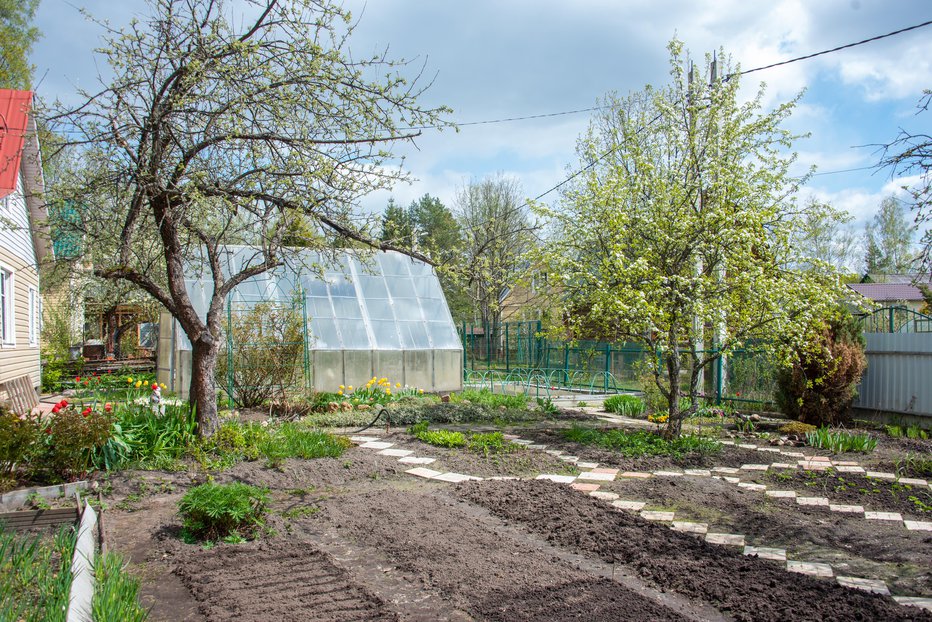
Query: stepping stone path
x=586, y=482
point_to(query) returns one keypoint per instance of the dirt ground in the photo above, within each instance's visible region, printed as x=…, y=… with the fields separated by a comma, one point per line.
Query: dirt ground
x=356, y=538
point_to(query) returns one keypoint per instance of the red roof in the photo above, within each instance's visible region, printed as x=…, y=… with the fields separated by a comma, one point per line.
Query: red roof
x=887, y=291
x=14, y=116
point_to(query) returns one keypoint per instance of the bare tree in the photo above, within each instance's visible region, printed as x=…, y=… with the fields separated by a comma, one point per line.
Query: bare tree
x=912, y=154
x=222, y=125
x=497, y=231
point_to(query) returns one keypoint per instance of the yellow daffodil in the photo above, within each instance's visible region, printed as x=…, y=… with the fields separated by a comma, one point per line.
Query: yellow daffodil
x=138, y=384
x=339, y=392
x=388, y=391
x=342, y=387
x=349, y=388
x=162, y=384
x=420, y=391
x=129, y=380
x=397, y=385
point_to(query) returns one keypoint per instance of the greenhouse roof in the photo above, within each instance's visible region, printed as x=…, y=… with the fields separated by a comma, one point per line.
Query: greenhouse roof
x=353, y=300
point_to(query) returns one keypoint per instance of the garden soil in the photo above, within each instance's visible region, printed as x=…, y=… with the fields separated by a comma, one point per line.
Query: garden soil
x=748, y=588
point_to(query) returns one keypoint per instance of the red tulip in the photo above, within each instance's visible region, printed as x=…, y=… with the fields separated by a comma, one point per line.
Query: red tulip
x=48, y=430
x=154, y=386
x=86, y=411
x=77, y=379
x=108, y=406
x=56, y=408
x=63, y=403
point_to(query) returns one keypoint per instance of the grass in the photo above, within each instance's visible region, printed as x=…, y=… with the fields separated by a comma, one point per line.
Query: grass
x=35, y=576
x=116, y=598
x=486, y=398
x=641, y=443
x=625, y=405
x=487, y=443
x=841, y=442
x=914, y=465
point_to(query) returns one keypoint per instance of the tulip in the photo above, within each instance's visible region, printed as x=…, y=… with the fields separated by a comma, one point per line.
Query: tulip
x=138, y=384
x=154, y=386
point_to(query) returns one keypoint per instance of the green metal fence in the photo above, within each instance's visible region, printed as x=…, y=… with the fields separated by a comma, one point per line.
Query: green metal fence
x=895, y=320
x=516, y=356
x=267, y=350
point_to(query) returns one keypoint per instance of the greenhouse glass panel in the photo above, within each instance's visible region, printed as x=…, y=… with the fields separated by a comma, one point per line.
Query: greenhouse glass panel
x=380, y=310
x=407, y=309
x=346, y=308
x=386, y=335
x=443, y=336
x=373, y=287
x=401, y=287
x=324, y=334
x=354, y=333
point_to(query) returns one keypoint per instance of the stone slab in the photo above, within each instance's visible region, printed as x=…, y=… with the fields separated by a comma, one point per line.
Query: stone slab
x=825, y=459
x=845, y=463
x=597, y=477
x=688, y=527
x=587, y=465
x=755, y=467
x=729, y=539
x=782, y=465
x=698, y=472
x=636, y=474
x=522, y=441
x=793, y=454
x=728, y=470
x=583, y=487
x=812, y=501
x=566, y=458
x=560, y=479
x=536, y=446
x=668, y=474
x=727, y=442
x=422, y=472
x=504, y=478
x=659, y=516
x=456, y=478
x=880, y=475
x=377, y=445
x=604, y=470
x=781, y=494
x=917, y=525
x=915, y=601
x=554, y=452
x=731, y=480
x=868, y=585
x=398, y=453
x=621, y=504
x=849, y=469
x=766, y=553
x=604, y=495
x=772, y=450
x=747, y=446
x=850, y=509
x=894, y=516
x=912, y=481
x=750, y=486
x=364, y=439
x=814, y=569
x=416, y=460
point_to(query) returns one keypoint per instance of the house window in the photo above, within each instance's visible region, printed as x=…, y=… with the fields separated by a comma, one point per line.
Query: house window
x=33, y=317
x=7, y=327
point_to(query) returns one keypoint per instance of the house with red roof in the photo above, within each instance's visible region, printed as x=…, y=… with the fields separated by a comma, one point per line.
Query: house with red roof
x=24, y=239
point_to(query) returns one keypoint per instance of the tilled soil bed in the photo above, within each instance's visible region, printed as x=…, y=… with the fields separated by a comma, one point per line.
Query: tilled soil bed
x=879, y=549
x=748, y=588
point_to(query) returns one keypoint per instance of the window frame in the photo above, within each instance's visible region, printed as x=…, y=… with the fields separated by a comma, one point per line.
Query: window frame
x=7, y=307
x=33, y=307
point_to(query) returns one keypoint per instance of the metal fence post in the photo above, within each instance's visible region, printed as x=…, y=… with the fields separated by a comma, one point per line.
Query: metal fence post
x=608, y=366
x=307, y=349
x=507, y=362
x=719, y=379
x=465, y=341
x=230, y=350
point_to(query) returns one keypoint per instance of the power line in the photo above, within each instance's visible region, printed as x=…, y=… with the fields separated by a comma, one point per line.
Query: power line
x=508, y=119
x=836, y=49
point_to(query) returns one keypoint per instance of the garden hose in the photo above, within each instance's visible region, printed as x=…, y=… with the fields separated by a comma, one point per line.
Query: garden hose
x=379, y=409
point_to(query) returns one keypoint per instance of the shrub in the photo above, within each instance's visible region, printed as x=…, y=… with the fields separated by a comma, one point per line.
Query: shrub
x=72, y=441
x=216, y=511
x=821, y=386
x=797, y=427
x=18, y=444
x=268, y=346
x=625, y=405
x=841, y=442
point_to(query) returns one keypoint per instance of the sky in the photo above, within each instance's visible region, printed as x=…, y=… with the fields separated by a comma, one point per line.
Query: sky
x=494, y=59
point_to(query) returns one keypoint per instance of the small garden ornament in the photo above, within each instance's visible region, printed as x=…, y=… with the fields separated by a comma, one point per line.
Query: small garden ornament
x=156, y=401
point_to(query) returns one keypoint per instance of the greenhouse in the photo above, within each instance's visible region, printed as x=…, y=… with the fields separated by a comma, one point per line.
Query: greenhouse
x=334, y=320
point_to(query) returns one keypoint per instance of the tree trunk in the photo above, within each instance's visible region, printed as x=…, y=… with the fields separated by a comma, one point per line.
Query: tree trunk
x=675, y=417
x=203, y=392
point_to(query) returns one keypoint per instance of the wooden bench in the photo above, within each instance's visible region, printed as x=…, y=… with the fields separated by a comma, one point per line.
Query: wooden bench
x=21, y=396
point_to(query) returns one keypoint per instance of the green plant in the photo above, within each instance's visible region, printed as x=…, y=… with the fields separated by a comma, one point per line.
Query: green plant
x=797, y=427
x=293, y=440
x=488, y=399
x=821, y=385
x=546, y=406
x=35, y=576
x=913, y=465
x=19, y=436
x=841, y=442
x=581, y=404
x=116, y=595
x=625, y=405
x=301, y=511
x=642, y=443
x=914, y=432
x=745, y=425
x=140, y=436
x=72, y=440
x=490, y=443
x=440, y=438
x=215, y=511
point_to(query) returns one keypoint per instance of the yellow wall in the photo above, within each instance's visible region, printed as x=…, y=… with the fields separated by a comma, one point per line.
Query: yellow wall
x=22, y=358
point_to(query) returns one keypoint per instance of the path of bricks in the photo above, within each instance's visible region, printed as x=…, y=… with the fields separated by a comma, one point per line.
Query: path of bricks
x=592, y=476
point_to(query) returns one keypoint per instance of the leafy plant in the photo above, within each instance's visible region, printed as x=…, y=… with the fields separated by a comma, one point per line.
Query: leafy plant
x=490, y=443
x=139, y=436
x=440, y=438
x=625, y=405
x=745, y=425
x=215, y=511
x=797, y=427
x=292, y=440
x=71, y=441
x=546, y=406
x=841, y=442
x=19, y=436
x=913, y=432
x=913, y=465
x=581, y=404
x=641, y=442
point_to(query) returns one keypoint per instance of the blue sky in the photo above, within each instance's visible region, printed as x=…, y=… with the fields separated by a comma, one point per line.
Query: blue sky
x=507, y=58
